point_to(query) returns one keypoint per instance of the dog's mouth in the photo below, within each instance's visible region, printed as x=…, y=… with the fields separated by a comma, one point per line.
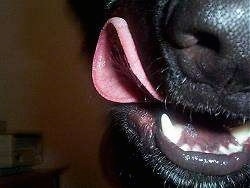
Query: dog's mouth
x=185, y=152
x=203, y=143
x=208, y=144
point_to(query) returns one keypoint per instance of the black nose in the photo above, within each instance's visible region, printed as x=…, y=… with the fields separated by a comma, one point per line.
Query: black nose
x=212, y=41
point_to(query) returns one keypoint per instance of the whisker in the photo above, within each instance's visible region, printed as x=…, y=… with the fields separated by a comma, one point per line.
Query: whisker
x=156, y=60
x=158, y=87
x=165, y=103
x=156, y=72
x=244, y=120
x=164, y=70
x=190, y=116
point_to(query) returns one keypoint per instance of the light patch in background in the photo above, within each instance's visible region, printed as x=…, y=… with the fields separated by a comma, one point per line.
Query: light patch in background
x=45, y=86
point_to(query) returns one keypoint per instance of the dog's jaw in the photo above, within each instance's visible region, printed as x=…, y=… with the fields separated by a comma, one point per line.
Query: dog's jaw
x=192, y=92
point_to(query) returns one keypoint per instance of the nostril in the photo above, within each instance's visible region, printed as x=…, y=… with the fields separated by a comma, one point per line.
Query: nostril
x=202, y=39
x=209, y=41
x=184, y=40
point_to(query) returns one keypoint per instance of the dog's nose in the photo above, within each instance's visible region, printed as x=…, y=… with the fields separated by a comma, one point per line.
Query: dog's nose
x=213, y=37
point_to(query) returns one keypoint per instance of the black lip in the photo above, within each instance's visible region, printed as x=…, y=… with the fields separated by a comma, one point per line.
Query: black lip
x=143, y=163
x=208, y=164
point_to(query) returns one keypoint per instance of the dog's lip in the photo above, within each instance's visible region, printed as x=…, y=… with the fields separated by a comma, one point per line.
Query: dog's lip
x=200, y=162
x=199, y=150
x=206, y=163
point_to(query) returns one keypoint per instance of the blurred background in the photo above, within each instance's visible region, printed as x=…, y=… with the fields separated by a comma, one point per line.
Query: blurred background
x=45, y=85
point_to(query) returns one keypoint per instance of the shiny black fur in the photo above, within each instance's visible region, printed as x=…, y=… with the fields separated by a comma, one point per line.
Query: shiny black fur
x=220, y=88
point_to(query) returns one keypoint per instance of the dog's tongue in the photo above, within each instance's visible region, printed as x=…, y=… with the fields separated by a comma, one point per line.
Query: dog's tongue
x=117, y=72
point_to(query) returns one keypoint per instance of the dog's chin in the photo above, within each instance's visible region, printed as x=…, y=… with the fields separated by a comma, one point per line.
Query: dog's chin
x=147, y=157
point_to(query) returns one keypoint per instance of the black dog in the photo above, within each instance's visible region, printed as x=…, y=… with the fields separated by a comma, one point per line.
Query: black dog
x=181, y=69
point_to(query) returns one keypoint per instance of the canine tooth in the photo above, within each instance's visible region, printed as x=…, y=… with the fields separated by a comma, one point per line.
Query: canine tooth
x=196, y=148
x=223, y=150
x=241, y=134
x=185, y=147
x=234, y=149
x=172, y=132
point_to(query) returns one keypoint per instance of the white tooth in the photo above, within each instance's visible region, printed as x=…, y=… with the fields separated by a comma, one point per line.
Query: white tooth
x=196, y=148
x=223, y=150
x=241, y=134
x=172, y=132
x=234, y=149
x=185, y=147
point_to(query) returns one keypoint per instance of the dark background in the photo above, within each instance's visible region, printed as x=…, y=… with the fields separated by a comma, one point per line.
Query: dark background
x=45, y=82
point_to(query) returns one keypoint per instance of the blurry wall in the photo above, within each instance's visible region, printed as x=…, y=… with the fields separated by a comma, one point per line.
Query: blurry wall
x=45, y=86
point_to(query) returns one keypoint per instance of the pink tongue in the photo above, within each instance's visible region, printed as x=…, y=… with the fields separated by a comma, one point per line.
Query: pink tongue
x=117, y=72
